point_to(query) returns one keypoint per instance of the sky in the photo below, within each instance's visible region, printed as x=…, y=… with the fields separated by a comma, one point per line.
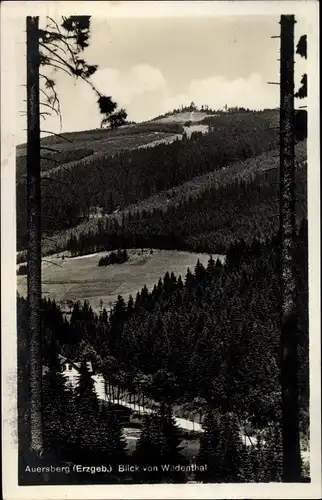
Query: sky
x=150, y=66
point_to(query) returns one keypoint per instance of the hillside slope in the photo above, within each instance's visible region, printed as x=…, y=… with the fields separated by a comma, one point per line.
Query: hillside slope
x=245, y=171
x=75, y=146
x=71, y=190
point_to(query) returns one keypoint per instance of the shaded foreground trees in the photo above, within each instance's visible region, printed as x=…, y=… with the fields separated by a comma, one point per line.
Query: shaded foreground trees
x=217, y=333
x=158, y=451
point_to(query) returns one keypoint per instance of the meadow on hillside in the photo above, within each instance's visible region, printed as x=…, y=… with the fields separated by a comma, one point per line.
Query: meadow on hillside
x=81, y=278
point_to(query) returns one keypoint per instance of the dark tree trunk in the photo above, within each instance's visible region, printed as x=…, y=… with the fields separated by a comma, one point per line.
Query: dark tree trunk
x=289, y=326
x=34, y=233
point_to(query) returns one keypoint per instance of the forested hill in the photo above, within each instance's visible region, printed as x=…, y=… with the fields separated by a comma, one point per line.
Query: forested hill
x=202, y=215
x=213, y=334
x=130, y=176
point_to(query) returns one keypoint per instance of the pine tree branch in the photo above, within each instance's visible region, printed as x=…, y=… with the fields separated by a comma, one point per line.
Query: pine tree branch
x=58, y=47
x=52, y=63
x=51, y=262
x=71, y=69
x=51, y=85
x=46, y=95
x=62, y=39
x=61, y=60
x=50, y=149
x=43, y=114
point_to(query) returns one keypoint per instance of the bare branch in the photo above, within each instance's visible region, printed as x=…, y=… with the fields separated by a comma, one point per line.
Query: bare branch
x=47, y=79
x=51, y=62
x=51, y=262
x=46, y=95
x=60, y=59
x=58, y=135
x=52, y=33
x=56, y=99
x=58, y=47
x=69, y=171
x=50, y=106
x=43, y=114
x=71, y=69
x=55, y=23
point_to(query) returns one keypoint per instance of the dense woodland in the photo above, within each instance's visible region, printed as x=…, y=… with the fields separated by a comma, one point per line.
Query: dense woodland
x=137, y=174
x=206, y=223
x=208, y=339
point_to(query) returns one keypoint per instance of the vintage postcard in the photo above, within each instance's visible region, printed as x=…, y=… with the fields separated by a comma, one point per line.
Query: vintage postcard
x=160, y=250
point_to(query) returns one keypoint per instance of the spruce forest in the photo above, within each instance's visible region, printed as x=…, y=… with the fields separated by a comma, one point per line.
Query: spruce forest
x=179, y=382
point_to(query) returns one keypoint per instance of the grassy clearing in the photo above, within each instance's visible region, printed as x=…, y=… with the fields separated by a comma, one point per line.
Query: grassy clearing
x=82, y=279
x=183, y=117
x=72, y=139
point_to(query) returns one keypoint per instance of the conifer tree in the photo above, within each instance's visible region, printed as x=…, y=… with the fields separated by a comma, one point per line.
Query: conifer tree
x=86, y=439
x=273, y=454
x=209, y=452
x=234, y=449
x=111, y=443
x=57, y=413
x=159, y=445
x=230, y=449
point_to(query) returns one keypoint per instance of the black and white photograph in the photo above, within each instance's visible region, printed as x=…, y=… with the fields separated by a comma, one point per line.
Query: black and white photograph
x=160, y=250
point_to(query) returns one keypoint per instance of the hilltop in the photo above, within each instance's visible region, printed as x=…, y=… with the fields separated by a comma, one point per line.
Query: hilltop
x=116, y=168
x=74, y=146
x=157, y=166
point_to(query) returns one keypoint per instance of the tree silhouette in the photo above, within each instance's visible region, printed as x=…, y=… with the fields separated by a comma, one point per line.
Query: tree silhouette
x=209, y=448
x=58, y=47
x=158, y=448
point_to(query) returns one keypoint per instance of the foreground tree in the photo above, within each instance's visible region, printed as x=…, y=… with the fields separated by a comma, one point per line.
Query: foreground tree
x=58, y=409
x=45, y=48
x=85, y=438
x=209, y=448
x=222, y=449
x=288, y=306
x=111, y=440
x=34, y=234
x=158, y=451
